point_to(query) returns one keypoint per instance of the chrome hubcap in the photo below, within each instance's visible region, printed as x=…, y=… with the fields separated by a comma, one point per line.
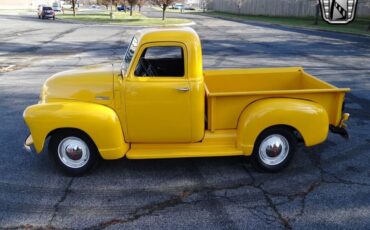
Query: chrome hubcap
x=73, y=152
x=274, y=149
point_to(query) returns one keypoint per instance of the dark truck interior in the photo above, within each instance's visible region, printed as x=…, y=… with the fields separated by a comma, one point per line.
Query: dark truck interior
x=164, y=61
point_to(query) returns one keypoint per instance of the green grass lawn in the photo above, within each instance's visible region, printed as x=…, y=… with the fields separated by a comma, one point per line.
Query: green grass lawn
x=169, y=10
x=358, y=26
x=123, y=18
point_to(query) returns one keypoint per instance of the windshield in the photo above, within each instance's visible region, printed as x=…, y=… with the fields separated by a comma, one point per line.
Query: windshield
x=129, y=54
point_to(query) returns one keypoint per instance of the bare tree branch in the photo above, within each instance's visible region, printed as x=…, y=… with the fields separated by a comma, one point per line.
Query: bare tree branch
x=163, y=4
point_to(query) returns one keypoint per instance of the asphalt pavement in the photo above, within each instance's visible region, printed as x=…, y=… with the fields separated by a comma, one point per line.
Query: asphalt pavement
x=325, y=187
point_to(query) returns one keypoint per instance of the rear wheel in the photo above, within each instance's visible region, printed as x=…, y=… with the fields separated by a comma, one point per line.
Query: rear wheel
x=74, y=152
x=274, y=149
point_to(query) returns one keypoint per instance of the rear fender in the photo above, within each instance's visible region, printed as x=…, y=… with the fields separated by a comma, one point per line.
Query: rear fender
x=101, y=123
x=308, y=118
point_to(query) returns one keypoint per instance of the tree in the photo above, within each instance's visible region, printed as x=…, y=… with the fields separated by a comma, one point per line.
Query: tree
x=110, y=3
x=105, y=3
x=140, y=4
x=132, y=3
x=74, y=7
x=163, y=4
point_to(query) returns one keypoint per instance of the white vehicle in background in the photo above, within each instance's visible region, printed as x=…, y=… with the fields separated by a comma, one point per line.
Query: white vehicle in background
x=178, y=6
x=56, y=7
x=45, y=12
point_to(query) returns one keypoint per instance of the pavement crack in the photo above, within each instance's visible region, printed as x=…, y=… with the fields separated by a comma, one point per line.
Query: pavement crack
x=152, y=208
x=285, y=221
x=282, y=219
x=56, y=206
x=28, y=227
x=141, y=212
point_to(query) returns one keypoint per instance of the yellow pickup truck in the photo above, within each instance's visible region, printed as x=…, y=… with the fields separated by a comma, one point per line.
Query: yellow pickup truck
x=160, y=103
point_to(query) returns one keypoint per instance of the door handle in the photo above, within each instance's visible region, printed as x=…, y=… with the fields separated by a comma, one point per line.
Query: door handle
x=183, y=89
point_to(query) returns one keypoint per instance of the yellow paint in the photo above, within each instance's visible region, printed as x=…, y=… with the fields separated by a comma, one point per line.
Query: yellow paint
x=148, y=118
x=309, y=118
x=219, y=143
x=155, y=111
x=97, y=121
x=89, y=84
x=230, y=91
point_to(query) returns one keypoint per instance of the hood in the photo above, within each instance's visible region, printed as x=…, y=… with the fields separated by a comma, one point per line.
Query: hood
x=89, y=83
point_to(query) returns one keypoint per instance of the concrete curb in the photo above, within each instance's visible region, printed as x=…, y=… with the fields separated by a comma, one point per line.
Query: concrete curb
x=123, y=25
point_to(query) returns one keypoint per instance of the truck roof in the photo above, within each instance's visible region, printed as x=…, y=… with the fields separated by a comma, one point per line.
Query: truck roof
x=184, y=35
x=173, y=34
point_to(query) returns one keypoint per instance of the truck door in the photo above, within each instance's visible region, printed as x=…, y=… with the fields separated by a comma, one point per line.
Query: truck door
x=157, y=95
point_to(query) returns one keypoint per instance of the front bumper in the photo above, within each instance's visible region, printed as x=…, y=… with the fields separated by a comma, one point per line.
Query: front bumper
x=28, y=144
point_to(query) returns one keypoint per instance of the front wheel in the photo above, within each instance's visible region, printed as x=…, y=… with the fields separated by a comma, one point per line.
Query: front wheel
x=273, y=149
x=74, y=152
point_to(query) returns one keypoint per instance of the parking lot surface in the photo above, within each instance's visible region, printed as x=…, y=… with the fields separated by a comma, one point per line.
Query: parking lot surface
x=326, y=186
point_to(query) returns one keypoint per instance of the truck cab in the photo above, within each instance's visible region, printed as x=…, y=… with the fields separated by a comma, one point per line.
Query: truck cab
x=163, y=92
x=160, y=103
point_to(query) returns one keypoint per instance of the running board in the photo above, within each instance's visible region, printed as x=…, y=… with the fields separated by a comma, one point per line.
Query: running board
x=218, y=143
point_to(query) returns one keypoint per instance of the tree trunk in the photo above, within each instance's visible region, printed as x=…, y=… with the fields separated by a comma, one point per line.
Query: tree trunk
x=74, y=7
x=131, y=9
x=111, y=10
x=164, y=12
x=139, y=8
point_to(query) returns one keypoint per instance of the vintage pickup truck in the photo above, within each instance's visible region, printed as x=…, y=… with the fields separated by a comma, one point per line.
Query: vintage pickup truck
x=160, y=103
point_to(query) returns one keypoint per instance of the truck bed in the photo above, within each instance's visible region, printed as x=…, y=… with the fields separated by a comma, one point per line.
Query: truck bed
x=230, y=91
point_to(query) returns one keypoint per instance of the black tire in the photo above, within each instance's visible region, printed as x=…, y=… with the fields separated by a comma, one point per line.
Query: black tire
x=276, y=159
x=61, y=137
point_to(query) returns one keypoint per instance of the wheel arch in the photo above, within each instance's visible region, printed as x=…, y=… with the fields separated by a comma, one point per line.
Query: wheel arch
x=100, y=123
x=307, y=119
x=298, y=136
x=71, y=130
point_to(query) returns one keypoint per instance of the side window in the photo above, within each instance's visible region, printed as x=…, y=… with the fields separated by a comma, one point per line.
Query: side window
x=161, y=61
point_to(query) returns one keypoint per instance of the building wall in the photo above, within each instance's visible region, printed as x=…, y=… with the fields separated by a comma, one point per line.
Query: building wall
x=24, y=4
x=297, y=8
x=194, y=3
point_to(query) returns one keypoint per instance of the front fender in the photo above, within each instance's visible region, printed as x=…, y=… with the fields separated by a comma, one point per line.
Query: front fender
x=101, y=123
x=308, y=118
